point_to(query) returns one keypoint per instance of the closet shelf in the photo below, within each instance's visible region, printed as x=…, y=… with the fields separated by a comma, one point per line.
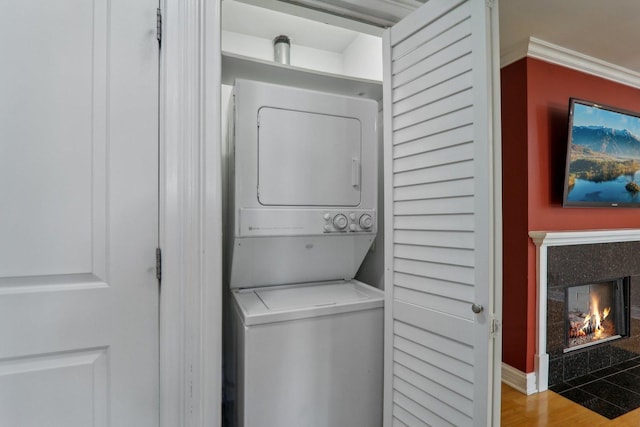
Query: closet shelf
x=242, y=67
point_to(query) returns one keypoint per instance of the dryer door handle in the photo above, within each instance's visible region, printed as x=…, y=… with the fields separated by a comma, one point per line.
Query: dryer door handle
x=355, y=172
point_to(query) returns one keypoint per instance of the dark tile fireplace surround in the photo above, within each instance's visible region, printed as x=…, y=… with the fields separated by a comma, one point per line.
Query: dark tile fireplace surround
x=581, y=264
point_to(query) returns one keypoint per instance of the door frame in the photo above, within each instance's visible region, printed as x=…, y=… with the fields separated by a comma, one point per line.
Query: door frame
x=190, y=214
x=493, y=76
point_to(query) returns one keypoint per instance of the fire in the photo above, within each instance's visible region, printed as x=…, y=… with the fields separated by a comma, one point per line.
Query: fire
x=586, y=316
x=593, y=321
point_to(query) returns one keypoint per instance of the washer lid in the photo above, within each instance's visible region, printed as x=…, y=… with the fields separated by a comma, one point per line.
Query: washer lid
x=276, y=304
x=310, y=296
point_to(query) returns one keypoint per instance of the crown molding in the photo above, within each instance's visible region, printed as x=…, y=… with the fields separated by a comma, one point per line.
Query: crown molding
x=514, y=53
x=549, y=52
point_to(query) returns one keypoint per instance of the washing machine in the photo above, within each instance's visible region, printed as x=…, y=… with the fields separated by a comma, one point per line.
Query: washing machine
x=306, y=338
x=309, y=355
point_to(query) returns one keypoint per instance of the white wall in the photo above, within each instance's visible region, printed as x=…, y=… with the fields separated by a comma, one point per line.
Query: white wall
x=363, y=58
x=225, y=96
x=301, y=56
x=371, y=271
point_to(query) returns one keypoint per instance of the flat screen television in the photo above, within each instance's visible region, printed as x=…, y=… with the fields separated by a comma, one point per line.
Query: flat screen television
x=603, y=156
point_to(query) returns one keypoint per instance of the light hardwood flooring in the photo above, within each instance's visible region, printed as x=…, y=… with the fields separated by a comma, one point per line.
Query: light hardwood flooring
x=551, y=409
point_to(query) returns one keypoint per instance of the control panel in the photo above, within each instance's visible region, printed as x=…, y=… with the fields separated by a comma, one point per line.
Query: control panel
x=348, y=221
x=305, y=222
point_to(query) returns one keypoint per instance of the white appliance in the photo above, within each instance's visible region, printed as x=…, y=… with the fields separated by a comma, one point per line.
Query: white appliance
x=307, y=338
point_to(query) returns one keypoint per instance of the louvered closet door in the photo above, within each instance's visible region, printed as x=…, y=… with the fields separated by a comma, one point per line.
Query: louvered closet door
x=440, y=201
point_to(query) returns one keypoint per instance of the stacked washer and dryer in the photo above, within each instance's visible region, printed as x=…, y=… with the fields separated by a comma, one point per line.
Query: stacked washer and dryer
x=306, y=338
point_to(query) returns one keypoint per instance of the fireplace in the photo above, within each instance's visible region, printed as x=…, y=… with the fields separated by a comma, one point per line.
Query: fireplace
x=595, y=313
x=566, y=262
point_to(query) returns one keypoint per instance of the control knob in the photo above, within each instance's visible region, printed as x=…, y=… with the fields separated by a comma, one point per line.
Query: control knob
x=366, y=222
x=340, y=221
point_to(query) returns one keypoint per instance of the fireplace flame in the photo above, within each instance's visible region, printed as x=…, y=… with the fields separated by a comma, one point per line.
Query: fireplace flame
x=586, y=315
x=593, y=321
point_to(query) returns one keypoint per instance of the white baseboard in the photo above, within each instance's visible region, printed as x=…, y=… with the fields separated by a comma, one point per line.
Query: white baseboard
x=523, y=382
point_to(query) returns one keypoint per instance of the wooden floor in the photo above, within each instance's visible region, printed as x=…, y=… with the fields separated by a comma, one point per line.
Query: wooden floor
x=551, y=409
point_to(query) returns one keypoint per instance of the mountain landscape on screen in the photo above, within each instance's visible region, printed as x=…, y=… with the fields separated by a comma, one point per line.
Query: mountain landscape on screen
x=604, y=161
x=615, y=142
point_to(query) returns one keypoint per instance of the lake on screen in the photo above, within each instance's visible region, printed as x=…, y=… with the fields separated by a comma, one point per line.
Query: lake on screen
x=607, y=191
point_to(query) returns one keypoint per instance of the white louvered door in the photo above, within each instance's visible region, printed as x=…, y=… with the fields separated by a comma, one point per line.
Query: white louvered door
x=442, y=201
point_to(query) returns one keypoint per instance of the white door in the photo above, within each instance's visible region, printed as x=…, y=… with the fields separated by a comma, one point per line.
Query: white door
x=442, y=210
x=79, y=214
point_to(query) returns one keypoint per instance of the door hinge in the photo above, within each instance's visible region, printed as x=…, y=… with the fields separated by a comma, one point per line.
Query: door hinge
x=159, y=26
x=495, y=327
x=159, y=264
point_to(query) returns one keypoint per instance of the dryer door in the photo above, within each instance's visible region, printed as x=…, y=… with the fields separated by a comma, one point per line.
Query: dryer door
x=308, y=159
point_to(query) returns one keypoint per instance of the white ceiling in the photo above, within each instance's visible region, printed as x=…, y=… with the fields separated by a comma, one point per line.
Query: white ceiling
x=606, y=30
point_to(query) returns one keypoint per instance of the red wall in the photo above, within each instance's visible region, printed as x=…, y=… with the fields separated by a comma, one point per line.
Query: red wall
x=515, y=205
x=548, y=89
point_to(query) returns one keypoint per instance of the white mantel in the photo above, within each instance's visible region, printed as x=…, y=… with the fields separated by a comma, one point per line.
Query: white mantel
x=543, y=240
